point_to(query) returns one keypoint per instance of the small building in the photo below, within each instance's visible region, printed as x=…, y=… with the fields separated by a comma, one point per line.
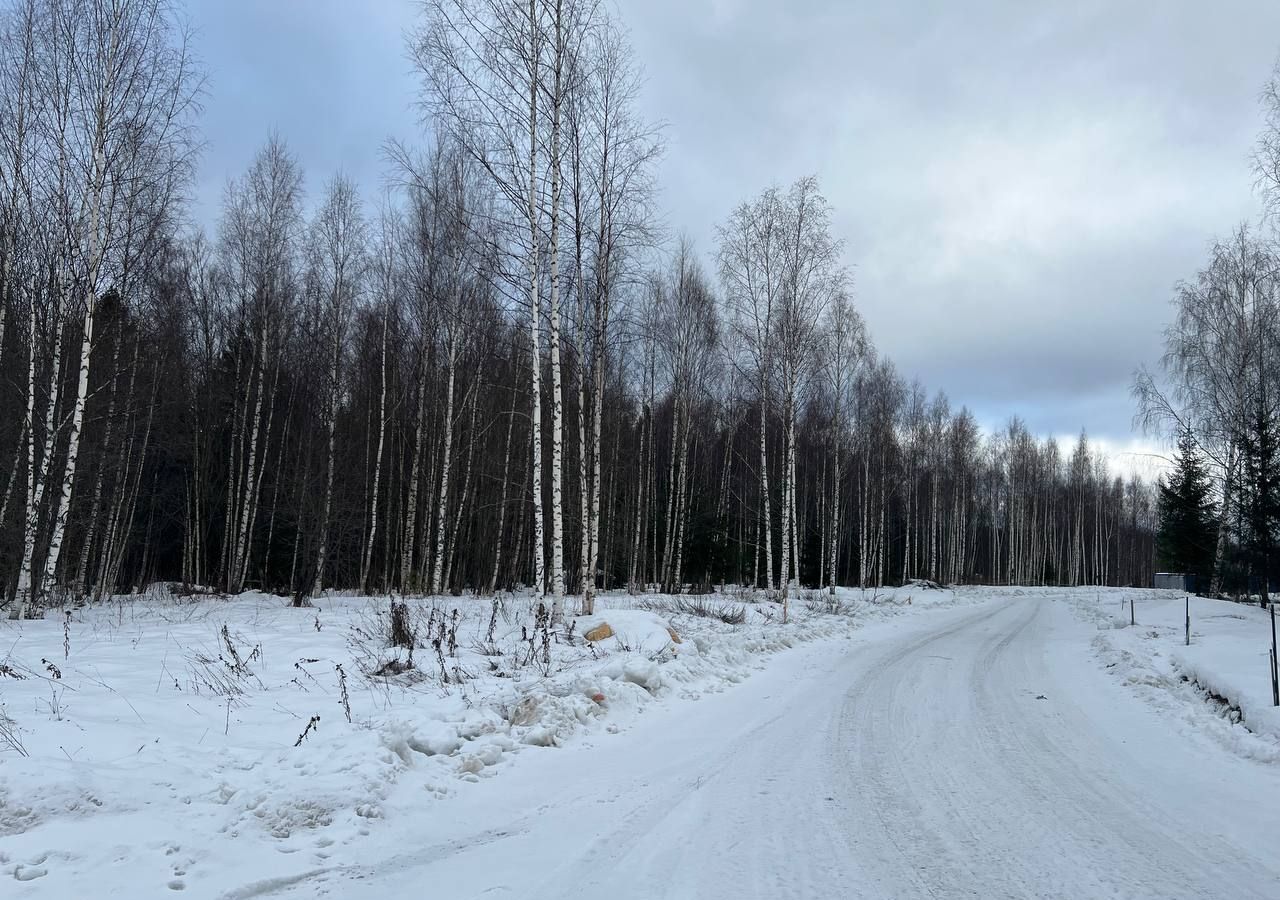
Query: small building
x=1174, y=581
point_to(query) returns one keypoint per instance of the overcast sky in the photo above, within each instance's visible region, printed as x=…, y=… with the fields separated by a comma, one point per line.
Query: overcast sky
x=1019, y=186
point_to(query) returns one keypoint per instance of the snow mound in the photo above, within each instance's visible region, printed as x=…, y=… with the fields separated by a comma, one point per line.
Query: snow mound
x=638, y=630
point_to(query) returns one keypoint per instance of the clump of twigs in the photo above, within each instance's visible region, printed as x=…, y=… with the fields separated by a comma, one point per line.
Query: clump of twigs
x=728, y=613
x=385, y=631
x=239, y=665
x=489, y=646
x=825, y=602
x=437, y=644
x=394, y=666
x=224, y=675
x=212, y=675
x=538, y=642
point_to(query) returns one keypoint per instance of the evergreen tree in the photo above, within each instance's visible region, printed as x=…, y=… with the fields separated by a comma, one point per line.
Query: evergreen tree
x=1188, y=527
x=1261, y=490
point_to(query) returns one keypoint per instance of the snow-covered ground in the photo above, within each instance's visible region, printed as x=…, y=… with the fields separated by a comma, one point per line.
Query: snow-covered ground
x=1226, y=668
x=195, y=743
x=970, y=743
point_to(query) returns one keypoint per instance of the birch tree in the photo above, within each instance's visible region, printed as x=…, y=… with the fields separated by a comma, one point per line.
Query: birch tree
x=613, y=152
x=259, y=235
x=845, y=351
x=338, y=259
x=111, y=133
x=751, y=275
x=482, y=63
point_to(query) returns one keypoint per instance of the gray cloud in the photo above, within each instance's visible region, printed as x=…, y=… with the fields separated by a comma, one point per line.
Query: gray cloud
x=1019, y=186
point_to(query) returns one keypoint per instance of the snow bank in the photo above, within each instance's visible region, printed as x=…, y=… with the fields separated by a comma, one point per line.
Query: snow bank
x=1219, y=685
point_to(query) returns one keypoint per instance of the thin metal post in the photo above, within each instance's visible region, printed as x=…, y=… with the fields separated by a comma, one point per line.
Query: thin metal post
x=1275, y=662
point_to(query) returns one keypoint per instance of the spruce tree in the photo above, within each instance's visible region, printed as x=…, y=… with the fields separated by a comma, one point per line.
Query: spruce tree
x=1260, y=448
x=1188, y=522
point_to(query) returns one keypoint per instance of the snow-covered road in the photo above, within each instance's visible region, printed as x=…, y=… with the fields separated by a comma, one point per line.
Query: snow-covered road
x=975, y=752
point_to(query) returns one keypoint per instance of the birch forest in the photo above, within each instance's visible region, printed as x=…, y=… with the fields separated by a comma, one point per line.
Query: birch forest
x=505, y=369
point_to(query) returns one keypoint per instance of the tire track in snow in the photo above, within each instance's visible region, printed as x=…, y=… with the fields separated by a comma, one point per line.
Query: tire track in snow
x=977, y=787
x=977, y=755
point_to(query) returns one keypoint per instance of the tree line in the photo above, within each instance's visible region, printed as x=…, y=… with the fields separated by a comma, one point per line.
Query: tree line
x=499, y=372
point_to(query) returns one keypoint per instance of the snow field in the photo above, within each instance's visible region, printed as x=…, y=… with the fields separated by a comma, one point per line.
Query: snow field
x=158, y=743
x=1226, y=661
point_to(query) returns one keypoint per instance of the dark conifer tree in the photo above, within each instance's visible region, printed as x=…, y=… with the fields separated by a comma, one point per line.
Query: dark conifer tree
x=1188, y=526
x=1261, y=491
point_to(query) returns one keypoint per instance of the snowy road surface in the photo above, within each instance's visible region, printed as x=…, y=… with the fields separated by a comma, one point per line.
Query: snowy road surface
x=975, y=752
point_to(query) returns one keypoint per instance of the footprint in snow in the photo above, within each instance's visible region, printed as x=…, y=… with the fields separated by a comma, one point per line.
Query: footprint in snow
x=29, y=873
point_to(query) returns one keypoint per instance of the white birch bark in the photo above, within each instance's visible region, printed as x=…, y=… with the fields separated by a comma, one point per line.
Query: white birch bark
x=408, y=553
x=95, y=510
x=788, y=438
x=557, y=395
x=535, y=314
x=593, y=531
x=246, y=500
x=322, y=551
x=27, y=588
x=502, y=501
x=767, y=511
x=377, y=463
x=446, y=460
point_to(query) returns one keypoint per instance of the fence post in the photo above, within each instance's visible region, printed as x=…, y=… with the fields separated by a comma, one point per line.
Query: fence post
x=1132, y=620
x=1188, y=620
x=1275, y=662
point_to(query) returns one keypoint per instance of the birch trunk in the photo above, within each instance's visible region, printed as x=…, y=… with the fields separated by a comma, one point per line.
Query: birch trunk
x=282, y=445
x=833, y=539
x=14, y=469
x=456, y=530
x=683, y=507
x=502, y=502
x=764, y=487
x=322, y=551
x=31, y=521
x=535, y=316
x=557, y=398
x=786, y=503
x=37, y=476
x=446, y=458
x=669, y=521
x=593, y=531
x=95, y=511
x=377, y=462
x=1224, y=529
x=408, y=555
x=131, y=505
x=246, y=503
x=240, y=424
x=638, y=532
x=254, y=485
